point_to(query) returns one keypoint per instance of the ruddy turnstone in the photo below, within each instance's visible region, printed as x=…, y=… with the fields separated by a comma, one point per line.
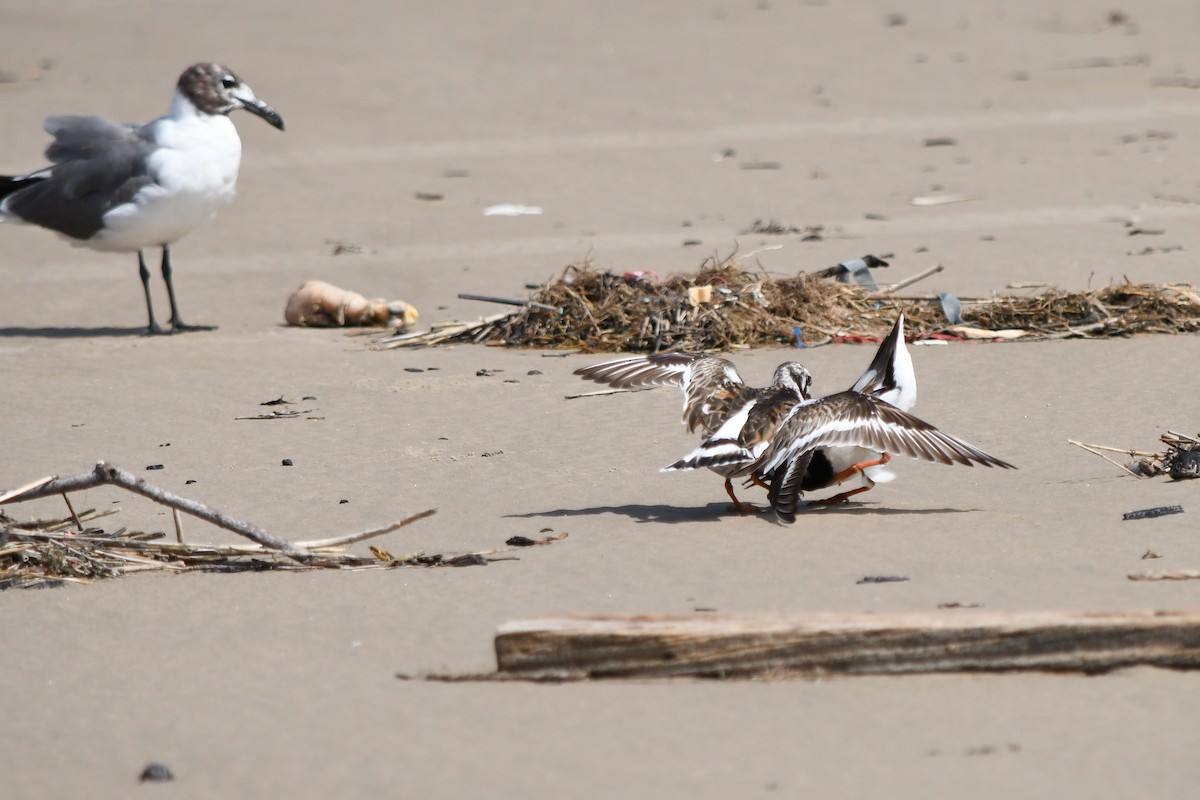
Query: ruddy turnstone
x=889, y=377
x=716, y=400
x=850, y=419
x=123, y=188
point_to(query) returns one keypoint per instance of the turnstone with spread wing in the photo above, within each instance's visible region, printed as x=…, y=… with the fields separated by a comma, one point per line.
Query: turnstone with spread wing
x=890, y=377
x=851, y=419
x=716, y=400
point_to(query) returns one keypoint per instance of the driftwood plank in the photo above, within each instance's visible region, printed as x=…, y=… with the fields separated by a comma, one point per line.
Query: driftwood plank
x=799, y=645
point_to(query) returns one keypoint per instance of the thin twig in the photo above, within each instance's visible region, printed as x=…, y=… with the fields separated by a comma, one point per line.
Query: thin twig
x=71, y=508
x=505, y=301
x=339, y=541
x=600, y=392
x=1106, y=458
x=909, y=281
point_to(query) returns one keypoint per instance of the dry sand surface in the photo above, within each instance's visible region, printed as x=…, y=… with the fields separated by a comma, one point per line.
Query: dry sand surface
x=630, y=124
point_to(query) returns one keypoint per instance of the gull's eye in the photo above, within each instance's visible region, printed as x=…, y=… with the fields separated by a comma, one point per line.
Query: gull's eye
x=228, y=81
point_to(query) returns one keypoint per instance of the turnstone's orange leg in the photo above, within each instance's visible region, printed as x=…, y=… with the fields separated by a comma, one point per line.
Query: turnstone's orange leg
x=849, y=472
x=738, y=505
x=844, y=496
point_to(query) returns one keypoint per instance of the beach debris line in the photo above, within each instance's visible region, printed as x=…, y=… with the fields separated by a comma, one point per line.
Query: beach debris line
x=41, y=553
x=807, y=645
x=725, y=305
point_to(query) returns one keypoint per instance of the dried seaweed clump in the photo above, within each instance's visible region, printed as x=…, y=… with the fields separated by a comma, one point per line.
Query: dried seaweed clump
x=1119, y=309
x=718, y=307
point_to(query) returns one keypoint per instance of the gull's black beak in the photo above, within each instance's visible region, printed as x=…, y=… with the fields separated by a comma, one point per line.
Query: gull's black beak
x=261, y=109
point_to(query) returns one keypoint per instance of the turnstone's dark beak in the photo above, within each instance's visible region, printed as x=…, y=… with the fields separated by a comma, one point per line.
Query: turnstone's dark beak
x=261, y=109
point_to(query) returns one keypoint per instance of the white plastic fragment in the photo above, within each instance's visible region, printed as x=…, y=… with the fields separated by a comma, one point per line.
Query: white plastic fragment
x=511, y=210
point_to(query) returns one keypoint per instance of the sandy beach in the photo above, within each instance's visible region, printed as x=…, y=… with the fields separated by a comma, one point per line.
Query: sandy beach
x=632, y=126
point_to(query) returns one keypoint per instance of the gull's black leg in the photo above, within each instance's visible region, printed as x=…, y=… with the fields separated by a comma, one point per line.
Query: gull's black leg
x=145, y=274
x=177, y=323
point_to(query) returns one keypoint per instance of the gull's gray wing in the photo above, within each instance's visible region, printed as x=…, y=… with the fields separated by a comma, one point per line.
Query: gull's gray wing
x=98, y=165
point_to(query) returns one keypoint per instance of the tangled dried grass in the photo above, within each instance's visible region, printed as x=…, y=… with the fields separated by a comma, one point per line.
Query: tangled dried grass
x=723, y=305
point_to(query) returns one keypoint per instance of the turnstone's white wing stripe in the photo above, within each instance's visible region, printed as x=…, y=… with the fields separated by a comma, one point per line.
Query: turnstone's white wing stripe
x=725, y=447
x=748, y=431
x=849, y=419
x=891, y=376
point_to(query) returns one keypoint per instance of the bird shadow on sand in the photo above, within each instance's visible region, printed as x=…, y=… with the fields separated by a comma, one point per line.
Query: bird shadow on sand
x=70, y=333
x=715, y=512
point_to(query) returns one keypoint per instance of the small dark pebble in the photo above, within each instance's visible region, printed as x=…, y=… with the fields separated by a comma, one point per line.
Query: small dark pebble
x=546, y=530
x=534, y=372
x=520, y=541
x=511, y=380
x=960, y=605
x=190, y=481
x=279, y=401
x=1150, y=513
x=287, y=462
x=343, y=501
x=485, y=373
x=156, y=772
x=308, y=397
x=692, y=242
x=154, y=466
x=467, y=560
x=883, y=579
x=430, y=196
x=414, y=369
x=167, y=444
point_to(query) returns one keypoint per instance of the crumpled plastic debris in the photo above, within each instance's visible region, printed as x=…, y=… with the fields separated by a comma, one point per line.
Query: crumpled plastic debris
x=317, y=304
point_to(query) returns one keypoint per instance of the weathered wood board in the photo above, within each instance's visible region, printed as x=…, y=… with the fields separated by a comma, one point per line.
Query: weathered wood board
x=805, y=645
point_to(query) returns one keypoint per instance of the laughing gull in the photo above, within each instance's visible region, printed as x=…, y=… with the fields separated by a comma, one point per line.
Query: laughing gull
x=122, y=188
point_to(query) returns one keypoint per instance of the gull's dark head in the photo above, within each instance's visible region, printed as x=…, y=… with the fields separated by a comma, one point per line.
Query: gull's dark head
x=214, y=89
x=793, y=377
